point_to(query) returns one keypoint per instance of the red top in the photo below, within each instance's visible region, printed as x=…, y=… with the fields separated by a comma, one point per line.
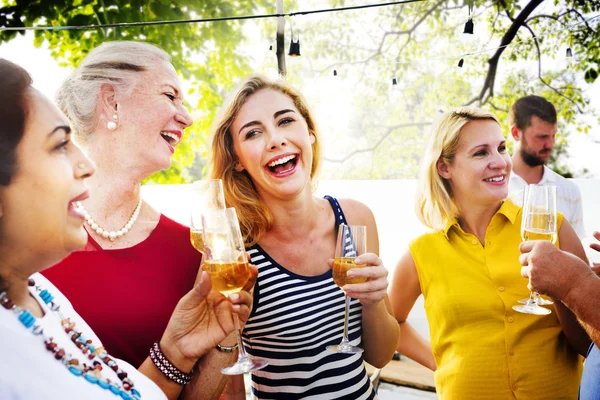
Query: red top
x=127, y=295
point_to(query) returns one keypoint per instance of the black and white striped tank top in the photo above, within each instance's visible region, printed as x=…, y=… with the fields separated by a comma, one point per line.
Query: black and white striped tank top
x=294, y=318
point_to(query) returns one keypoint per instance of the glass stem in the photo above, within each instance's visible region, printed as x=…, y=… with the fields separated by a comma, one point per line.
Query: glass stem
x=242, y=356
x=530, y=302
x=346, y=315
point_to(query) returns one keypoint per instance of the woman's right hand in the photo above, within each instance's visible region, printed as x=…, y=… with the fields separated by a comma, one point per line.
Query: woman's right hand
x=202, y=319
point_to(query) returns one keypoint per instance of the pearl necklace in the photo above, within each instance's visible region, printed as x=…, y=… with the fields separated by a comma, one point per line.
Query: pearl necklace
x=106, y=234
x=90, y=373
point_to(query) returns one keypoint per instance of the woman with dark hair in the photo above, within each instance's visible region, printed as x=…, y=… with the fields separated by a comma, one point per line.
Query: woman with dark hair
x=48, y=351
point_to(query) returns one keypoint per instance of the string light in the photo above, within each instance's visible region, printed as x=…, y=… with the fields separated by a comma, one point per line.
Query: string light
x=467, y=34
x=469, y=27
x=294, y=50
x=294, y=46
x=199, y=20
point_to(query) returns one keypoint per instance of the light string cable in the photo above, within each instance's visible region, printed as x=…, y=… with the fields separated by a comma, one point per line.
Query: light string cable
x=339, y=67
x=200, y=20
x=516, y=43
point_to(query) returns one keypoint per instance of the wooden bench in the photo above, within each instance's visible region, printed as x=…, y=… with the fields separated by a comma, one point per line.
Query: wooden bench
x=404, y=373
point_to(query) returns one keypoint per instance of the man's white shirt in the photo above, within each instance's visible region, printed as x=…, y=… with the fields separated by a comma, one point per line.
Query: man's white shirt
x=568, y=196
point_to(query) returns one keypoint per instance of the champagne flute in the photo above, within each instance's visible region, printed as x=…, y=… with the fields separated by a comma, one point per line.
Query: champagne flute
x=539, y=220
x=351, y=242
x=206, y=195
x=226, y=262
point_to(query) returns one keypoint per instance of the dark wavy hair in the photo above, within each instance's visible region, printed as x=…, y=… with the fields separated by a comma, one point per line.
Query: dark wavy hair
x=14, y=82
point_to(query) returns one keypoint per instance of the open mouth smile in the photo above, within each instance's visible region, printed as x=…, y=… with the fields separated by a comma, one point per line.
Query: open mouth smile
x=172, y=139
x=283, y=165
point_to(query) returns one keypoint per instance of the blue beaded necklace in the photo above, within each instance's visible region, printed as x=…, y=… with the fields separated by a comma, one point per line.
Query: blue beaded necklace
x=90, y=373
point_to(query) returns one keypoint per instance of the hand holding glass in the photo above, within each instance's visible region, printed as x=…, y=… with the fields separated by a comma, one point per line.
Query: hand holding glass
x=351, y=242
x=539, y=222
x=226, y=262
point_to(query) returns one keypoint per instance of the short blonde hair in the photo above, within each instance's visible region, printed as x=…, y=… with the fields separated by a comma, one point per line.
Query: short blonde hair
x=117, y=63
x=435, y=206
x=240, y=192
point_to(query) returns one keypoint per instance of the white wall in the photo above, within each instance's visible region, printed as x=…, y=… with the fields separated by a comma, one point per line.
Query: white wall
x=392, y=203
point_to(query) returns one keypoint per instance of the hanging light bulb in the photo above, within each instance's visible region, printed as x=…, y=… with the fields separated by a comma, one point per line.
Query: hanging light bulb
x=461, y=62
x=271, y=48
x=334, y=72
x=294, y=46
x=569, y=53
x=468, y=31
x=394, y=81
x=469, y=27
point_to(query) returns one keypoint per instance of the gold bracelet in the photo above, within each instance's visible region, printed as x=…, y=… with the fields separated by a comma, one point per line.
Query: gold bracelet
x=226, y=349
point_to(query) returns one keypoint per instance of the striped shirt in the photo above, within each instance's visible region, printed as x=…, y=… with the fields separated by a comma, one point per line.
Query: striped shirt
x=294, y=318
x=568, y=197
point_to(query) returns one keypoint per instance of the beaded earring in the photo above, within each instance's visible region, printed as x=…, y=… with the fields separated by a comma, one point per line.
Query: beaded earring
x=112, y=125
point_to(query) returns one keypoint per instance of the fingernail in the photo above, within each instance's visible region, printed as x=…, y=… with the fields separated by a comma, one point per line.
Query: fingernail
x=236, y=307
x=234, y=296
x=357, y=261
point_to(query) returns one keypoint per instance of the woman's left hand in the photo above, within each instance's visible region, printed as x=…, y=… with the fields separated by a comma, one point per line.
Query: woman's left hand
x=374, y=289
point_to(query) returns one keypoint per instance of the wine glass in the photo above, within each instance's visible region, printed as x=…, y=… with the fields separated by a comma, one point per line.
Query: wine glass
x=206, y=195
x=539, y=222
x=351, y=242
x=226, y=262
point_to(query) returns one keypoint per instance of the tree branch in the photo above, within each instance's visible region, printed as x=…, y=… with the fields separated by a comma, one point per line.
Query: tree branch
x=378, y=50
x=539, y=54
x=390, y=129
x=487, y=90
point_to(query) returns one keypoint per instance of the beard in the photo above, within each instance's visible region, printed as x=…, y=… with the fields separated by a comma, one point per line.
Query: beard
x=530, y=159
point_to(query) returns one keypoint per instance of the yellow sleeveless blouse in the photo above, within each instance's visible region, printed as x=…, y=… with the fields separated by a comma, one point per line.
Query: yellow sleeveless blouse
x=482, y=347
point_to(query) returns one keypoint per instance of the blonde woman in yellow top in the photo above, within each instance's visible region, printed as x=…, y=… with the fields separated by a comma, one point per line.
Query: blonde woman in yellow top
x=468, y=271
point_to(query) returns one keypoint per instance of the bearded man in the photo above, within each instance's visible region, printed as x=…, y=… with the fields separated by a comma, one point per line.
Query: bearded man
x=533, y=126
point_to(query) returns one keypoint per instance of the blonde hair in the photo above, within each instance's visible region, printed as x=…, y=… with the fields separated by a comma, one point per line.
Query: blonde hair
x=240, y=192
x=116, y=63
x=434, y=204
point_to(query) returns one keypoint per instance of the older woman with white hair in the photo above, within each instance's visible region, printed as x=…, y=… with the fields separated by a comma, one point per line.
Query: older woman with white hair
x=125, y=103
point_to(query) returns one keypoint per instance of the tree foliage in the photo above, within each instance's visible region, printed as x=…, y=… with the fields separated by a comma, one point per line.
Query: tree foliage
x=370, y=128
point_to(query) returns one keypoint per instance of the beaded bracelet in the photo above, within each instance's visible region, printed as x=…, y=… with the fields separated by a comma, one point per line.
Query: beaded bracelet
x=169, y=370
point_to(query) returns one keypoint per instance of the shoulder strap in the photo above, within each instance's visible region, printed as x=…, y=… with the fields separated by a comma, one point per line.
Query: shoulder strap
x=340, y=218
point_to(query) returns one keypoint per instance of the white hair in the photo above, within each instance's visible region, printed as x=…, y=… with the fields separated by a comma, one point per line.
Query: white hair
x=116, y=63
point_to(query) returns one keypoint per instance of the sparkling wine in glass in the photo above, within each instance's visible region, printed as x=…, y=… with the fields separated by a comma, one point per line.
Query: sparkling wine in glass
x=206, y=195
x=539, y=222
x=351, y=242
x=226, y=262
